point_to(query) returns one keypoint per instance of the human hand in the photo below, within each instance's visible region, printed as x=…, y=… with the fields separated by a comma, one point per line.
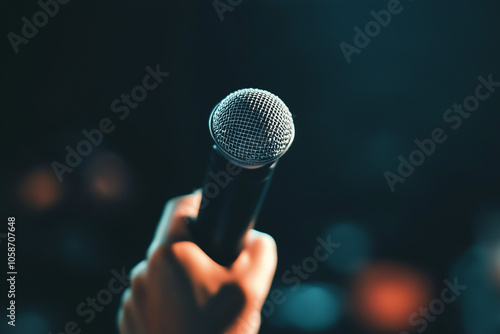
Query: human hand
x=178, y=289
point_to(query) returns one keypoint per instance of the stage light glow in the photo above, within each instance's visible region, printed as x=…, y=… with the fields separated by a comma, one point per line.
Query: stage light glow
x=107, y=185
x=385, y=295
x=30, y=322
x=109, y=177
x=354, y=250
x=312, y=308
x=40, y=189
x=488, y=237
x=480, y=305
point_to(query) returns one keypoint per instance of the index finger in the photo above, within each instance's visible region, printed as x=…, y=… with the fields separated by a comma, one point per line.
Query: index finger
x=173, y=222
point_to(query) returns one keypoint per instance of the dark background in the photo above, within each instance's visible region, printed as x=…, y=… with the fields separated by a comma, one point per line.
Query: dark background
x=352, y=122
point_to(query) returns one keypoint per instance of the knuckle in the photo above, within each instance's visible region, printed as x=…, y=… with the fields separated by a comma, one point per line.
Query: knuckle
x=267, y=243
x=125, y=296
x=170, y=205
x=160, y=257
x=186, y=205
x=251, y=291
x=175, y=201
x=171, y=202
x=138, y=268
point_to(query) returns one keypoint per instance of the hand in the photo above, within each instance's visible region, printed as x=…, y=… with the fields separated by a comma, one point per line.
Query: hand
x=178, y=289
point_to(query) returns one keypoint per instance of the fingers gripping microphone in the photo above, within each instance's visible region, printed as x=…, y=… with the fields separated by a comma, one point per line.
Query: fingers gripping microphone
x=252, y=129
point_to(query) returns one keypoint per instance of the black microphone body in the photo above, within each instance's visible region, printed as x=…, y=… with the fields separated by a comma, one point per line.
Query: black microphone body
x=231, y=201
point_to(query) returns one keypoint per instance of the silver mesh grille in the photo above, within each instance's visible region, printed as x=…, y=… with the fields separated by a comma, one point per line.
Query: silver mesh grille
x=252, y=127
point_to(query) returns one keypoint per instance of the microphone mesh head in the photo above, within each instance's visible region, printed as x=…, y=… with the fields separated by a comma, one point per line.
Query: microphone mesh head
x=252, y=127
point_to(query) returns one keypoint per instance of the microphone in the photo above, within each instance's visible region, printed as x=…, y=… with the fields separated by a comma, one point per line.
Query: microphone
x=251, y=129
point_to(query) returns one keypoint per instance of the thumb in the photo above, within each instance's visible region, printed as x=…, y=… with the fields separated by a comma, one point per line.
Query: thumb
x=256, y=265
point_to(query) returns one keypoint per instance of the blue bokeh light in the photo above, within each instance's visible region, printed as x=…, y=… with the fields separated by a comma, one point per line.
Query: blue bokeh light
x=311, y=307
x=354, y=250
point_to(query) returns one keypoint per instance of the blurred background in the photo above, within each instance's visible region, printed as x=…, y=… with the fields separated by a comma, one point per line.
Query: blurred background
x=398, y=250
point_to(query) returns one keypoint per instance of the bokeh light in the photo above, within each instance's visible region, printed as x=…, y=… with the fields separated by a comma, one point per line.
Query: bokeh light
x=108, y=178
x=31, y=322
x=354, y=248
x=480, y=303
x=488, y=237
x=40, y=189
x=311, y=307
x=386, y=294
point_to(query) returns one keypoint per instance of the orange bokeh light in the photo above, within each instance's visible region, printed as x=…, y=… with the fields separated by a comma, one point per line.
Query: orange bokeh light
x=39, y=189
x=108, y=178
x=107, y=186
x=385, y=295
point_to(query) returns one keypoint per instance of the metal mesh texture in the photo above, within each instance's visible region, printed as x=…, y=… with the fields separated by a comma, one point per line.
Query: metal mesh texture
x=252, y=127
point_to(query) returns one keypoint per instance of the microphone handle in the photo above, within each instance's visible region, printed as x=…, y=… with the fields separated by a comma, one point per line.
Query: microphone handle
x=231, y=201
